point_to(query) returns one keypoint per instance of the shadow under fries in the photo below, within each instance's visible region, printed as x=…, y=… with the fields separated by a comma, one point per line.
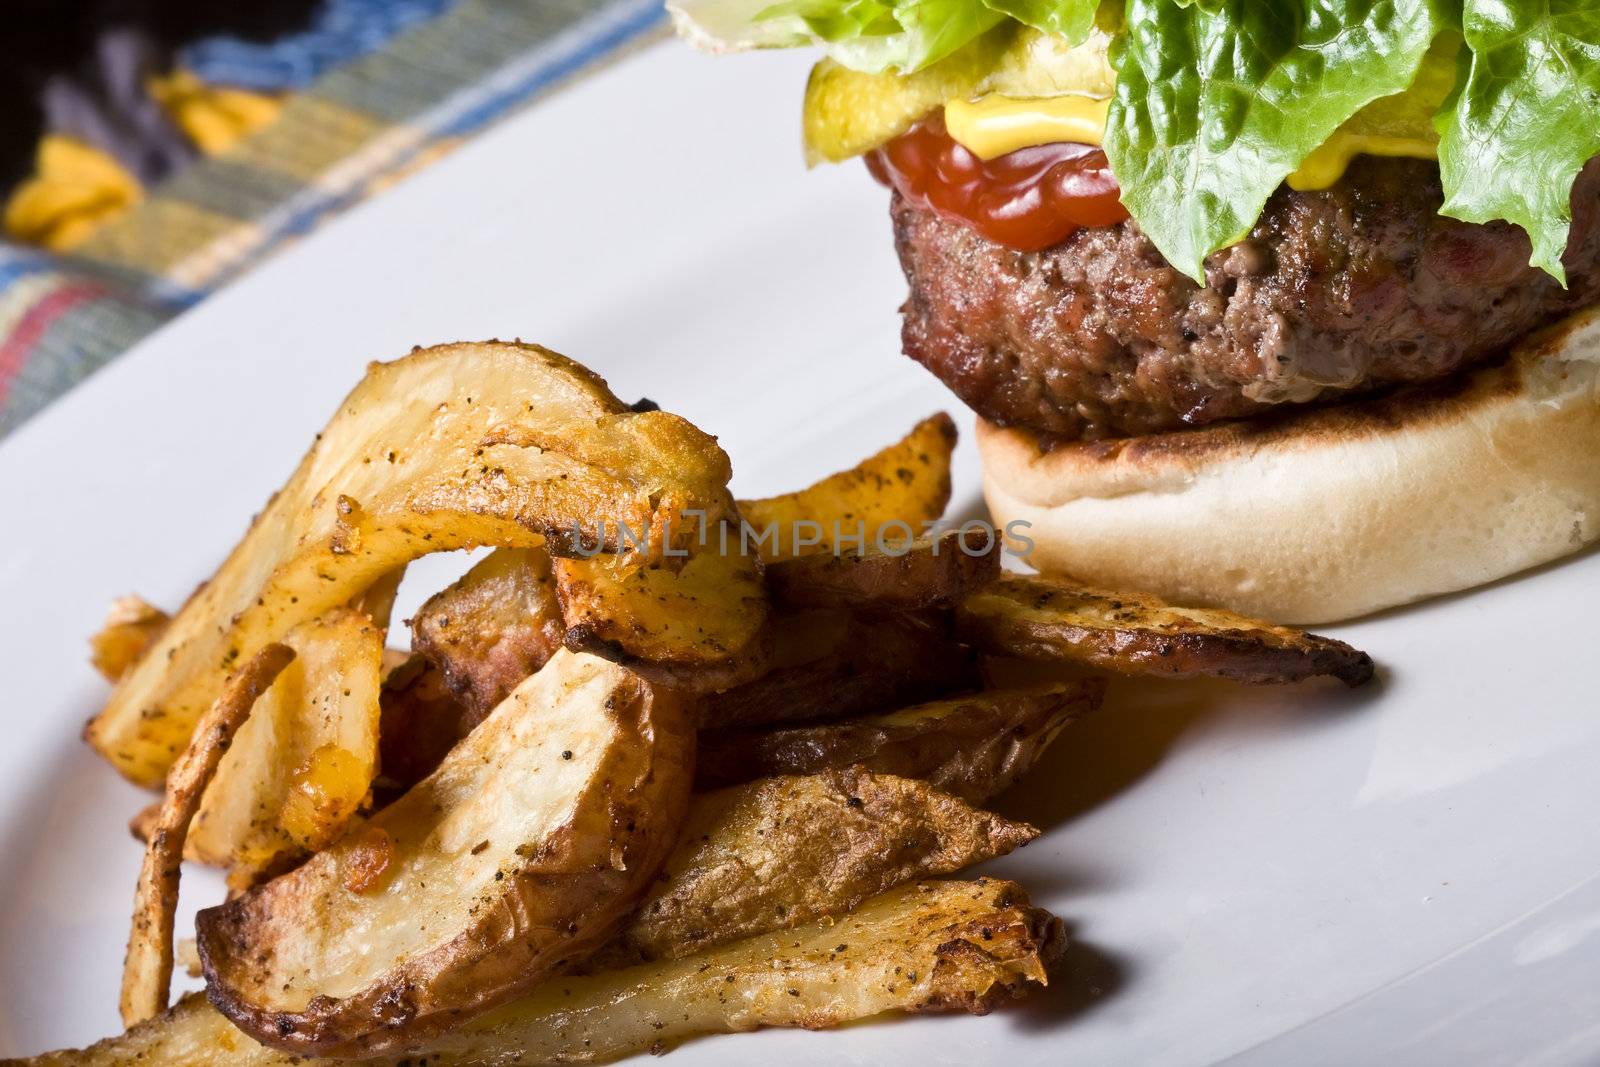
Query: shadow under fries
x=1084, y=976
x=1141, y=722
x=75, y=808
x=1105, y=753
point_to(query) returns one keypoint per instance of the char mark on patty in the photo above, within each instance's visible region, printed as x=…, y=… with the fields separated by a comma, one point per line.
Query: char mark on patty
x=1335, y=293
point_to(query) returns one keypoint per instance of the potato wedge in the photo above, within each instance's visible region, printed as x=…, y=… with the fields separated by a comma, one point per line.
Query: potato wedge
x=934, y=572
x=525, y=849
x=298, y=770
x=700, y=624
x=1035, y=617
x=925, y=947
x=130, y=627
x=450, y=447
x=973, y=747
x=143, y=824
x=781, y=852
x=376, y=601
x=891, y=494
x=832, y=665
x=147, y=969
x=419, y=722
x=495, y=626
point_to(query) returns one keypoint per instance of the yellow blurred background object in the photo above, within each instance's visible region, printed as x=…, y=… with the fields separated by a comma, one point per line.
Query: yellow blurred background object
x=76, y=187
x=213, y=117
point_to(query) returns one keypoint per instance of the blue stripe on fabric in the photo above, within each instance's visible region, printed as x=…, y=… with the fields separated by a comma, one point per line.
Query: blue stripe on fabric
x=635, y=20
x=618, y=25
x=16, y=264
x=138, y=301
x=341, y=31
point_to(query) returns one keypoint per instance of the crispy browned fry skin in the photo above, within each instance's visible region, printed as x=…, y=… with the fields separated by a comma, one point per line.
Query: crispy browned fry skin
x=143, y=823
x=780, y=852
x=419, y=722
x=450, y=447
x=495, y=626
x=147, y=969
x=893, y=491
x=1131, y=633
x=931, y=573
x=829, y=665
x=826, y=665
x=700, y=624
x=527, y=848
x=931, y=946
x=973, y=746
x=130, y=627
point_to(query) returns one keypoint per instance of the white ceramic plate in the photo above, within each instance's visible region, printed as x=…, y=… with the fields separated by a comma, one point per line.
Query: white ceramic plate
x=1406, y=875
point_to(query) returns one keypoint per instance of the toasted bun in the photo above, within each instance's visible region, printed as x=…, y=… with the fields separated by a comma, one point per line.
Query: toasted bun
x=1333, y=513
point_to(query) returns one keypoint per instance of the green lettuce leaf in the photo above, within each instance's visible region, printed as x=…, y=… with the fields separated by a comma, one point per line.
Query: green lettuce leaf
x=872, y=36
x=1219, y=100
x=1525, y=119
x=732, y=26
x=929, y=31
x=1064, y=18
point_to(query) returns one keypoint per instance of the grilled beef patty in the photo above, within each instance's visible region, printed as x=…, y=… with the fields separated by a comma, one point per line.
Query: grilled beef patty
x=1334, y=293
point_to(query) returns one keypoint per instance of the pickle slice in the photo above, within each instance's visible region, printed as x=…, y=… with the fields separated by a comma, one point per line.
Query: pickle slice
x=848, y=113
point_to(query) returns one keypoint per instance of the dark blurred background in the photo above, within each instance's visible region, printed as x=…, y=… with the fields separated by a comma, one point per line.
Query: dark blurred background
x=152, y=151
x=90, y=58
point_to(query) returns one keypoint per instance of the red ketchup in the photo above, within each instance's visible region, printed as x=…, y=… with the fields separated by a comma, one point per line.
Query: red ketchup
x=1028, y=199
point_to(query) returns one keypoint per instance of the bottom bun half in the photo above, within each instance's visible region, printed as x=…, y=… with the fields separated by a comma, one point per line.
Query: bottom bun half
x=1332, y=513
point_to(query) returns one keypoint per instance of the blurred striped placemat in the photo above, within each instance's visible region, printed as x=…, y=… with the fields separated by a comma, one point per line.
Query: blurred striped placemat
x=353, y=132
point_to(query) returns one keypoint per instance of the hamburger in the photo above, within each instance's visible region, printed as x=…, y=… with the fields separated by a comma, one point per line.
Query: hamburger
x=1283, y=307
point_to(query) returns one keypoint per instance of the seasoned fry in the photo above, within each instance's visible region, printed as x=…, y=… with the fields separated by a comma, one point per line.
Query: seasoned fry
x=298, y=770
x=930, y=947
x=147, y=969
x=130, y=626
x=493, y=628
x=935, y=572
x=926, y=947
x=450, y=447
x=1052, y=618
x=890, y=494
x=376, y=601
x=525, y=849
x=781, y=852
x=973, y=747
x=700, y=624
x=143, y=823
x=419, y=721
x=831, y=665
x=187, y=956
